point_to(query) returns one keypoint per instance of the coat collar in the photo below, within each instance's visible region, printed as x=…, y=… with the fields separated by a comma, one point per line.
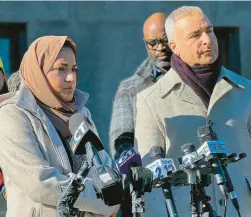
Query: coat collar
x=145, y=69
x=168, y=82
x=26, y=100
x=226, y=81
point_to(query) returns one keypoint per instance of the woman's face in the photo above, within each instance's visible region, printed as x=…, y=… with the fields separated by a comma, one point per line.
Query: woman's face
x=62, y=76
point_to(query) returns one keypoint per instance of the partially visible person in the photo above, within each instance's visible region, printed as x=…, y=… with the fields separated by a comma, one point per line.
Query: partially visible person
x=3, y=90
x=3, y=79
x=157, y=64
x=197, y=88
x=14, y=82
x=124, y=105
x=35, y=155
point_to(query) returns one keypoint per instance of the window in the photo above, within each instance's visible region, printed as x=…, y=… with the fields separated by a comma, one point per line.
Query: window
x=228, y=41
x=12, y=45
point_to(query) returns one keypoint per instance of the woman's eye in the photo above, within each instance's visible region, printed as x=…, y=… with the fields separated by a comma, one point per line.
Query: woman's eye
x=209, y=30
x=61, y=69
x=75, y=70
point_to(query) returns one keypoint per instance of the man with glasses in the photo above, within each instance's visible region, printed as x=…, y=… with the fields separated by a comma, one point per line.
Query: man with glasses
x=157, y=63
x=124, y=107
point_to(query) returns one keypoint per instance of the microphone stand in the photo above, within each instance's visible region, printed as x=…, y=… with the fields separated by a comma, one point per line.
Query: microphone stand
x=137, y=202
x=198, y=178
x=207, y=210
x=140, y=182
x=200, y=206
x=172, y=210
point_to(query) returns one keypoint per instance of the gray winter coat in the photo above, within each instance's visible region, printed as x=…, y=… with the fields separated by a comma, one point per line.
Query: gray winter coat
x=35, y=163
x=124, y=105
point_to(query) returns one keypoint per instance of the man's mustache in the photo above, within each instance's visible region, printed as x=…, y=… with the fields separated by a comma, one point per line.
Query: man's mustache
x=162, y=53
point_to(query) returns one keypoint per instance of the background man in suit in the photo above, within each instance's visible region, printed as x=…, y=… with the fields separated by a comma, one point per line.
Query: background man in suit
x=124, y=106
x=157, y=63
x=197, y=88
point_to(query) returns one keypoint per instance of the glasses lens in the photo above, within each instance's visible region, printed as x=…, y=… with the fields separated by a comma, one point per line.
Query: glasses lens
x=152, y=42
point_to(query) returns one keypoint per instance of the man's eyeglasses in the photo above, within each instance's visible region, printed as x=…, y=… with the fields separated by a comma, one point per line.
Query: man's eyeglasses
x=153, y=42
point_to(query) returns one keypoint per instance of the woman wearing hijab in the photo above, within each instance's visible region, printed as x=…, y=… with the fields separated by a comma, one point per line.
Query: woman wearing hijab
x=34, y=155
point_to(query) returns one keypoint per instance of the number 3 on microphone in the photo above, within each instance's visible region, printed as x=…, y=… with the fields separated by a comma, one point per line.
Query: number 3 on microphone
x=169, y=167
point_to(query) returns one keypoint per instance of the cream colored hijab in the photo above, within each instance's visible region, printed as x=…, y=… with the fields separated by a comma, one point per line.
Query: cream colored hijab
x=35, y=65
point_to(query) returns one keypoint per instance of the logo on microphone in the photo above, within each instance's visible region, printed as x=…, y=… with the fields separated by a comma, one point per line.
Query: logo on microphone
x=78, y=135
x=73, y=147
x=126, y=155
x=161, y=167
x=213, y=147
x=188, y=159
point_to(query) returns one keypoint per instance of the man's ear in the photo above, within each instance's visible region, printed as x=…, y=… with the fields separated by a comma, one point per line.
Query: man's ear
x=173, y=47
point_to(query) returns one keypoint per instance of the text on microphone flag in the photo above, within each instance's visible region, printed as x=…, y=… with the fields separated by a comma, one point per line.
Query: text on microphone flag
x=161, y=167
x=213, y=147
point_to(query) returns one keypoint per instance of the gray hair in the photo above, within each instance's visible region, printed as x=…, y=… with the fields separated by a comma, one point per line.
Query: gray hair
x=177, y=14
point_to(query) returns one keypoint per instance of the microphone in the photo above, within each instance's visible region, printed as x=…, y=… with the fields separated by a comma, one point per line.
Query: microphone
x=212, y=146
x=206, y=134
x=83, y=132
x=195, y=166
x=140, y=179
x=198, y=177
x=188, y=155
x=127, y=159
x=106, y=181
x=160, y=168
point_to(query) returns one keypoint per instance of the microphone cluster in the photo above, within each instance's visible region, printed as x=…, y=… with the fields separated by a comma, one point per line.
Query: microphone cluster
x=195, y=170
x=106, y=181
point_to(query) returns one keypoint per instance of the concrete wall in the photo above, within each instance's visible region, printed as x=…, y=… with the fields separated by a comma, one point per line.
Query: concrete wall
x=109, y=39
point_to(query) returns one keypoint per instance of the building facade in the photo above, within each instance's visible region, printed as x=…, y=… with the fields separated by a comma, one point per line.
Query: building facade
x=109, y=40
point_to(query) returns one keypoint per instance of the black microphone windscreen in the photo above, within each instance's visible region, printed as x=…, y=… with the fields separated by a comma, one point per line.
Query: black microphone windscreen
x=141, y=178
x=187, y=148
x=205, y=133
x=157, y=152
x=74, y=122
x=85, y=132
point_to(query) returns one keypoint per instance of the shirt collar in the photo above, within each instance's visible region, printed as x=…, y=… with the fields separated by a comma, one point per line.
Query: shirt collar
x=157, y=73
